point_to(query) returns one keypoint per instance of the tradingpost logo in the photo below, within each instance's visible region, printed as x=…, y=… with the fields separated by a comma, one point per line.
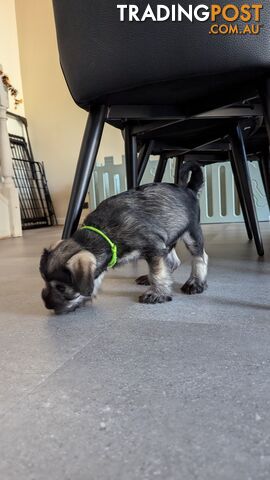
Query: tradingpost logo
x=228, y=19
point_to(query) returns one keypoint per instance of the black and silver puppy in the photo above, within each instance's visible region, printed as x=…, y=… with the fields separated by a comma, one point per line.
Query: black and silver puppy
x=142, y=223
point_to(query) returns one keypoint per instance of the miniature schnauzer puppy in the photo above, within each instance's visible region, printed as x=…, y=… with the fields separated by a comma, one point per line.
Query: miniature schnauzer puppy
x=142, y=223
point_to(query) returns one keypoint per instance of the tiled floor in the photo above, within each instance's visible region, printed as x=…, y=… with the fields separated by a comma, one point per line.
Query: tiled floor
x=124, y=391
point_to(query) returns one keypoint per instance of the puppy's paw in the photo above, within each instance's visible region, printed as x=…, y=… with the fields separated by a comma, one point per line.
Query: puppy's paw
x=193, y=286
x=143, y=280
x=154, y=297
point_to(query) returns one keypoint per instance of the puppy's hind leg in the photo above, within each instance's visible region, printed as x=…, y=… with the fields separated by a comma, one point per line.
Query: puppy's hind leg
x=197, y=280
x=173, y=262
x=160, y=282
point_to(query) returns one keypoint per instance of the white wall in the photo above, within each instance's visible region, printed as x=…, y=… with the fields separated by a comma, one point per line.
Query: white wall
x=9, y=52
x=56, y=124
x=9, y=59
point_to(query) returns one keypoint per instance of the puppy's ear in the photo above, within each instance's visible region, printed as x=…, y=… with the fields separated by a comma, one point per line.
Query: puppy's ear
x=82, y=266
x=44, y=262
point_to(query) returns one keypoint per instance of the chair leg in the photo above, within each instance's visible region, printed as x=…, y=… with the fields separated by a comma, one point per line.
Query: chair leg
x=265, y=99
x=161, y=167
x=241, y=199
x=131, y=158
x=178, y=162
x=143, y=159
x=240, y=161
x=265, y=160
x=264, y=165
x=89, y=148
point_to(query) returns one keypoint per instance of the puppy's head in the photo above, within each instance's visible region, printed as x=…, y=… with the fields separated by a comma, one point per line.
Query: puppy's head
x=68, y=271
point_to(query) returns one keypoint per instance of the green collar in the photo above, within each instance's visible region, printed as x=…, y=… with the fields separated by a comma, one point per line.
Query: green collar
x=114, y=258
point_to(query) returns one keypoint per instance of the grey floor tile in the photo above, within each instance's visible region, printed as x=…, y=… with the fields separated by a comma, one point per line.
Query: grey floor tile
x=120, y=390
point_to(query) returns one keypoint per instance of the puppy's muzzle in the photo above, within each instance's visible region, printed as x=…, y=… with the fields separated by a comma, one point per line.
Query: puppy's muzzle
x=63, y=306
x=46, y=297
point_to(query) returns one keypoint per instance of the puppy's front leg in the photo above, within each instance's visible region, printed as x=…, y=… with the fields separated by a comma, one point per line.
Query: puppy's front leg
x=160, y=282
x=97, y=284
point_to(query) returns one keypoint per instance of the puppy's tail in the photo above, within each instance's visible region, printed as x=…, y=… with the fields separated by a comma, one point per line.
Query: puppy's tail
x=195, y=182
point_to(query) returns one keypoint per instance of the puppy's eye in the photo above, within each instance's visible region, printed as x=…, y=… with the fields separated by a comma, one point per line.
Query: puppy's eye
x=60, y=288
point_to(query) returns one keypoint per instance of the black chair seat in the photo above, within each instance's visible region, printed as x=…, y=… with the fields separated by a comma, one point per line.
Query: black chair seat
x=191, y=133
x=106, y=61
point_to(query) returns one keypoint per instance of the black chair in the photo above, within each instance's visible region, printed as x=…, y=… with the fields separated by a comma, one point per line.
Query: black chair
x=141, y=76
x=175, y=142
x=181, y=140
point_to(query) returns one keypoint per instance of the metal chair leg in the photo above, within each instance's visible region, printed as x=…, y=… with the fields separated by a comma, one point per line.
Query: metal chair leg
x=241, y=199
x=264, y=165
x=143, y=159
x=265, y=160
x=178, y=162
x=161, y=167
x=239, y=158
x=265, y=99
x=131, y=158
x=89, y=148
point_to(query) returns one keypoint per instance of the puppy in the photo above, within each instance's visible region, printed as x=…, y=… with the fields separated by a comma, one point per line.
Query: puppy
x=142, y=223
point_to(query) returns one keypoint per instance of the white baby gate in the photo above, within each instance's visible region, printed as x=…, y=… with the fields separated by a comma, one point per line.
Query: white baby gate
x=218, y=199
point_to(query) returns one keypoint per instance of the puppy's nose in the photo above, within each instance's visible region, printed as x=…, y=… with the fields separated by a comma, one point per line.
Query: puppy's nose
x=45, y=297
